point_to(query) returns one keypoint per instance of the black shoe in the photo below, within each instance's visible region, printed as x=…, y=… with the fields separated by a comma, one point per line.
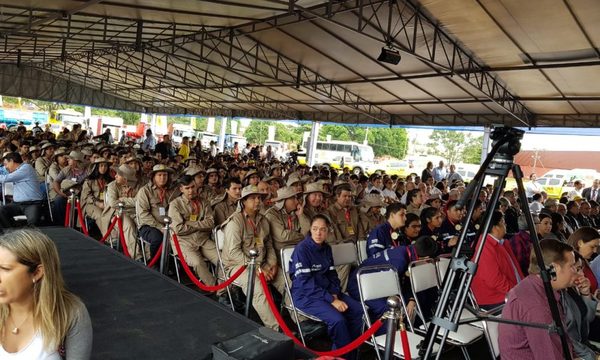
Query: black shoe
x=223, y=299
x=312, y=329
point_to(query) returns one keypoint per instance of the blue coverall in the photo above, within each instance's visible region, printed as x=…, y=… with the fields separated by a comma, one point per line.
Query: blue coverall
x=399, y=258
x=380, y=239
x=314, y=282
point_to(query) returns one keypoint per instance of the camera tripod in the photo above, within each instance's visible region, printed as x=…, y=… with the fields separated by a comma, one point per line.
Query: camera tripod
x=462, y=269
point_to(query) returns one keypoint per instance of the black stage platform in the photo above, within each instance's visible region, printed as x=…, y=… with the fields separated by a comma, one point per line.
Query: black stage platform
x=136, y=312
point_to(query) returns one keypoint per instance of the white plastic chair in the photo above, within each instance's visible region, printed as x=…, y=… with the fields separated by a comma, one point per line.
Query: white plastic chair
x=219, y=238
x=376, y=282
x=423, y=277
x=361, y=247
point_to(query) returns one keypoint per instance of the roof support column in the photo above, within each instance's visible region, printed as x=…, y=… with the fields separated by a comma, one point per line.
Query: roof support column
x=222, y=134
x=312, y=143
x=487, y=130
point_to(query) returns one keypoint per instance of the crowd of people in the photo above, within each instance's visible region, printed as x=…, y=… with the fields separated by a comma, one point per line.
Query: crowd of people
x=266, y=205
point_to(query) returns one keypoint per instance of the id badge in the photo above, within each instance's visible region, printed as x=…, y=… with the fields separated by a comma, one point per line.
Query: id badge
x=193, y=217
x=74, y=179
x=258, y=241
x=101, y=196
x=350, y=230
x=161, y=211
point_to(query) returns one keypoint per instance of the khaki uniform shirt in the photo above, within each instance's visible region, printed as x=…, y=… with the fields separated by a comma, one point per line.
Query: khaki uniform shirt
x=192, y=221
x=92, y=192
x=223, y=207
x=152, y=205
x=209, y=193
x=243, y=234
x=41, y=167
x=371, y=221
x=53, y=172
x=120, y=193
x=307, y=215
x=285, y=228
x=346, y=230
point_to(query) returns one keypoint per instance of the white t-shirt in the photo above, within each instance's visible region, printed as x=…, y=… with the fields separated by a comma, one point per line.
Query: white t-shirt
x=34, y=351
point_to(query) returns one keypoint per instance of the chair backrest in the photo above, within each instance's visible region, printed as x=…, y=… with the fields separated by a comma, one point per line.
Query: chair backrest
x=344, y=254
x=442, y=264
x=361, y=246
x=376, y=282
x=423, y=275
x=219, y=238
x=286, y=255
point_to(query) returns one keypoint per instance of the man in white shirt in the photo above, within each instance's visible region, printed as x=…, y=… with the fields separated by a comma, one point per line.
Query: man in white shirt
x=536, y=205
x=150, y=141
x=532, y=187
x=439, y=173
x=578, y=187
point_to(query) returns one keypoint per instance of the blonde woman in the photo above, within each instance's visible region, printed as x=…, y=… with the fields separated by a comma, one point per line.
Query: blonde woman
x=39, y=318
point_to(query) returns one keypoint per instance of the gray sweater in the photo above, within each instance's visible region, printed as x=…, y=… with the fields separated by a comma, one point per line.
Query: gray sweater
x=78, y=343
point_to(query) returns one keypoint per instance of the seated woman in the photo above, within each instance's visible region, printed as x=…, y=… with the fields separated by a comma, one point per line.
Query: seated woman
x=316, y=287
x=431, y=220
x=39, y=318
x=94, y=188
x=580, y=310
x=410, y=231
x=585, y=241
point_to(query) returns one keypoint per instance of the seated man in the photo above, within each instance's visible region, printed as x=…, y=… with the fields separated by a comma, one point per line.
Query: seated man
x=386, y=235
x=498, y=270
x=122, y=190
x=398, y=257
x=193, y=222
x=283, y=219
x=316, y=288
x=152, y=204
x=528, y=302
x=225, y=205
x=27, y=196
x=248, y=229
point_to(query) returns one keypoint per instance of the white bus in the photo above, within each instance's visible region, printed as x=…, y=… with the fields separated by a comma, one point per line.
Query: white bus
x=347, y=153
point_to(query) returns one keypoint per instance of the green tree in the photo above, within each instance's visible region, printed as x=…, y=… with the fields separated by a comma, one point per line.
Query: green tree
x=472, y=151
x=392, y=142
x=257, y=132
x=448, y=144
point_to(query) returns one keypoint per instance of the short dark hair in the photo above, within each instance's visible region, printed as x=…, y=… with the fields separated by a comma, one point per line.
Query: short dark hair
x=231, y=180
x=411, y=217
x=425, y=246
x=553, y=251
x=536, y=197
x=321, y=217
x=15, y=157
x=185, y=180
x=497, y=216
x=393, y=208
x=342, y=187
x=412, y=194
x=571, y=204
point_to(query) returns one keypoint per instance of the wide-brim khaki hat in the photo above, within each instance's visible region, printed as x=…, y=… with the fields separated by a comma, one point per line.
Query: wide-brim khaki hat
x=101, y=160
x=33, y=149
x=161, y=168
x=294, y=178
x=372, y=200
x=127, y=172
x=251, y=173
x=67, y=184
x=75, y=155
x=194, y=170
x=314, y=187
x=47, y=145
x=60, y=151
x=286, y=193
x=251, y=190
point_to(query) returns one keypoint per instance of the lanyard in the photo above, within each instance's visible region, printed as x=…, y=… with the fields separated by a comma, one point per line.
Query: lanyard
x=101, y=184
x=290, y=222
x=252, y=224
x=161, y=195
x=347, y=216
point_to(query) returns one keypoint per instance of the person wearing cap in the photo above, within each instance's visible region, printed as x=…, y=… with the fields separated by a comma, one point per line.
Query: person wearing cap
x=370, y=207
x=122, y=190
x=248, y=229
x=27, y=196
x=193, y=222
x=198, y=174
x=316, y=288
x=226, y=204
x=42, y=163
x=347, y=224
x=251, y=178
x=34, y=154
x=94, y=189
x=152, y=205
x=295, y=182
x=312, y=205
x=74, y=171
x=283, y=218
x=399, y=258
x=135, y=163
x=59, y=162
x=212, y=185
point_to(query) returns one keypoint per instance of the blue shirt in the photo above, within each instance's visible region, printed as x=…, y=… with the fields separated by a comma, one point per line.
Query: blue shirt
x=26, y=184
x=595, y=266
x=380, y=239
x=312, y=272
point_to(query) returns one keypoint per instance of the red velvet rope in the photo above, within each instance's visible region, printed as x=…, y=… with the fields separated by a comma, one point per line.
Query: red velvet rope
x=197, y=282
x=405, y=345
x=156, y=257
x=110, y=229
x=337, y=352
x=80, y=217
x=122, y=237
x=68, y=213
